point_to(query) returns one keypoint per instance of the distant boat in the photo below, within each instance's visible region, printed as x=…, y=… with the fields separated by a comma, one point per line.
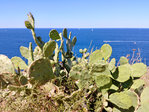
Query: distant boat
x=134, y=42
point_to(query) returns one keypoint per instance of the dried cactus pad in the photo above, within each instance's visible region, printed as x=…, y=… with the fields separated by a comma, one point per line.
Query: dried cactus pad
x=6, y=65
x=40, y=71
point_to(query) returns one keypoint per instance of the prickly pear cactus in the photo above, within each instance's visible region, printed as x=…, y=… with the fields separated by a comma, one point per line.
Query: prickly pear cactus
x=40, y=71
x=112, y=64
x=138, y=69
x=28, y=25
x=48, y=48
x=106, y=51
x=65, y=33
x=123, y=60
x=103, y=81
x=6, y=65
x=54, y=35
x=95, y=56
x=18, y=62
x=122, y=100
x=24, y=52
x=122, y=73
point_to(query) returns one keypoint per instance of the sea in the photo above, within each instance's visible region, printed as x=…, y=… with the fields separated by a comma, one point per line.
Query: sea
x=133, y=42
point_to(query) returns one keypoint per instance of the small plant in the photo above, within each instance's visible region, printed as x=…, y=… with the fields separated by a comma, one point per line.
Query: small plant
x=89, y=83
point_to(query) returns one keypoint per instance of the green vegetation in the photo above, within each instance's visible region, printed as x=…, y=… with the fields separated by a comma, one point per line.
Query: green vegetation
x=90, y=83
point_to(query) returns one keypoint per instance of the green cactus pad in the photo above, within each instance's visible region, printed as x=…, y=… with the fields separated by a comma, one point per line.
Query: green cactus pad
x=123, y=60
x=95, y=56
x=102, y=81
x=122, y=100
x=145, y=96
x=24, y=52
x=28, y=25
x=124, y=73
x=54, y=35
x=134, y=98
x=106, y=51
x=74, y=40
x=40, y=71
x=65, y=33
x=48, y=48
x=18, y=62
x=6, y=65
x=99, y=66
x=138, y=69
x=23, y=80
x=31, y=55
x=37, y=53
x=143, y=108
x=137, y=84
x=112, y=64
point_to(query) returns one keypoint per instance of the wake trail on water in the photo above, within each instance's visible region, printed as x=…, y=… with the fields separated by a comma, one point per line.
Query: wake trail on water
x=125, y=41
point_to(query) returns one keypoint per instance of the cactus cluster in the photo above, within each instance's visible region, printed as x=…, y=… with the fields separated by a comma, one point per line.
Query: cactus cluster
x=92, y=82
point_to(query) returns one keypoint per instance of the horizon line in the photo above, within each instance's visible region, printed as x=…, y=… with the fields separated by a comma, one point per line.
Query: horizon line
x=78, y=28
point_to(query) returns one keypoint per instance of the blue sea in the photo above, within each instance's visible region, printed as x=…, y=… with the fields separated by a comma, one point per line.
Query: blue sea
x=123, y=41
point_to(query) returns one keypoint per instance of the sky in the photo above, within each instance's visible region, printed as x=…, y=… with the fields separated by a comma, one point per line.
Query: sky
x=75, y=13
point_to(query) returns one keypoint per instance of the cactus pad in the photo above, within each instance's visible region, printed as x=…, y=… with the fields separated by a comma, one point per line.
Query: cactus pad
x=18, y=62
x=138, y=69
x=6, y=65
x=123, y=60
x=102, y=81
x=74, y=40
x=24, y=52
x=40, y=71
x=95, y=56
x=65, y=33
x=112, y=64
x=122, y=100
x=48, y=48
x=106, y=51
x=54, y=35
x=28, y=25
x=124, y=73
x=137, y=84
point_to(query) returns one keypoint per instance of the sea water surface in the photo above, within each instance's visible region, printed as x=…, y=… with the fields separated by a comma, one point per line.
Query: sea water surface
x=123, y=41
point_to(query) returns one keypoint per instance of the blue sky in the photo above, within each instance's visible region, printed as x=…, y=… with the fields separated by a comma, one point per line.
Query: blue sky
x=76, y=13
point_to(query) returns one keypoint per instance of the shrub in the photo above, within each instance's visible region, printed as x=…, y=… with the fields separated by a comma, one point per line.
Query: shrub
x=89, y=83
